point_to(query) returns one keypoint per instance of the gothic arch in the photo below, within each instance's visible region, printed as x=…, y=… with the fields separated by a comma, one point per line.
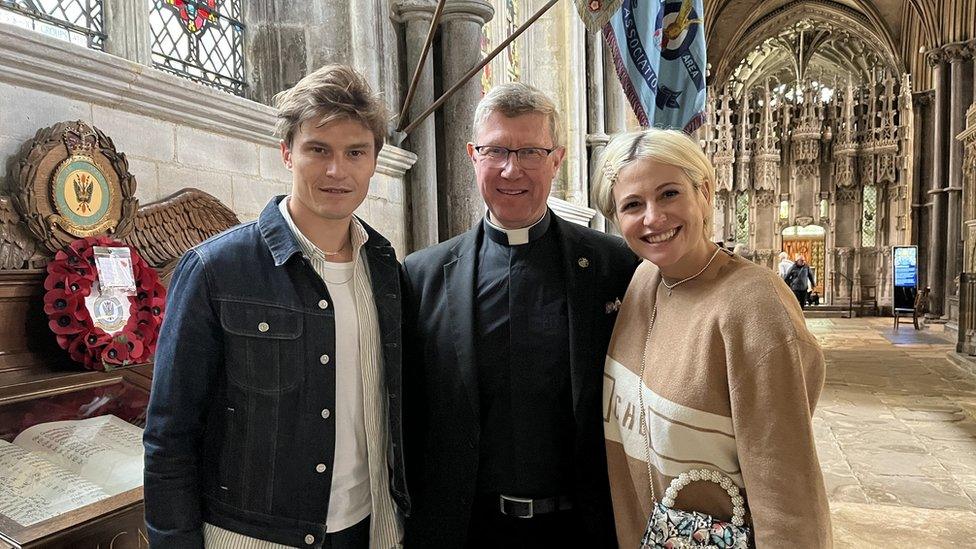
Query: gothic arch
x=752, y=33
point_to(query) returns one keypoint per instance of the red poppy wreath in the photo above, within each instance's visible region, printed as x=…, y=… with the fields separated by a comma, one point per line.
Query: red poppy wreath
x=70, y=277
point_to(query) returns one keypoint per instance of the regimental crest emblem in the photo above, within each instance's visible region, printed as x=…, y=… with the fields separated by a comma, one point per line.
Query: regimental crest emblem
x=72, y=183
x=80, y=192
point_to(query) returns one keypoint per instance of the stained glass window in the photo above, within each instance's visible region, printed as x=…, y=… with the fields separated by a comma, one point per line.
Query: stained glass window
x=75, y=21
x=869, y=216
x=742, y=217
x=202, y=40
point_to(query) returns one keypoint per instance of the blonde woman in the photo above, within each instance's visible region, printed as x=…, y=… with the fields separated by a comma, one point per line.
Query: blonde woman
x=728, y=373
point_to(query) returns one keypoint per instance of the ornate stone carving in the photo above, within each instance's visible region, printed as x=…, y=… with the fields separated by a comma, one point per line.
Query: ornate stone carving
x=743, y=177
x=935, y=57
x=847, y=195
x=767, y=149
x=957, y=51
x=724, y=156
x=765, y=199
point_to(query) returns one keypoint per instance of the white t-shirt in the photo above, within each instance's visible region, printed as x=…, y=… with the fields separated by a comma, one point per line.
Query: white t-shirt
x=350, y=501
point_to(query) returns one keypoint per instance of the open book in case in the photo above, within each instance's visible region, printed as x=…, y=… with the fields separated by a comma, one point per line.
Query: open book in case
x=70, y=437
x=71, y=461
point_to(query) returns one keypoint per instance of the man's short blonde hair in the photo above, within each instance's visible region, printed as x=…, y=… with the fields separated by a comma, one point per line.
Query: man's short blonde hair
x=513, y=99
x=670, y=147
x=331, y=93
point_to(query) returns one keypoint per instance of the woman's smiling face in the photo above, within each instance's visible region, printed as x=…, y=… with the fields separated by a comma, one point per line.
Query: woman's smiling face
x=661, y=214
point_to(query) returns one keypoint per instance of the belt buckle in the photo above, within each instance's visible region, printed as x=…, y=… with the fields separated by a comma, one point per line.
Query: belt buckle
x=524, y=501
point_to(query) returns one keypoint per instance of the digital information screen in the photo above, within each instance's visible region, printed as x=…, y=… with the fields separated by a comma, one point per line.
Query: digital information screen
x=905, y=275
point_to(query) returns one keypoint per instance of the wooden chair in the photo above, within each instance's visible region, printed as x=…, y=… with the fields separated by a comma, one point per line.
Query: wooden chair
x=919, y=308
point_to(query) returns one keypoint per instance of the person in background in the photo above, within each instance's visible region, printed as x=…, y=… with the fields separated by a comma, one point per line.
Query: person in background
x=784, y=264
x=800, y=280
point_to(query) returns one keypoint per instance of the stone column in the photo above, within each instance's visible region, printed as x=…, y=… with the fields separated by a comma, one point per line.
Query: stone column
x=616, y=102
x=596, y=138
x=960, y=97
x=416, y=16
x=937, y=234
x=286, y=40
x=461, y=25
x=127, y=30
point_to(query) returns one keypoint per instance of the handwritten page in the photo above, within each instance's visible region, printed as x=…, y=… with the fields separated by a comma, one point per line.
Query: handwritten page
x=105, y=450
x=33, y=489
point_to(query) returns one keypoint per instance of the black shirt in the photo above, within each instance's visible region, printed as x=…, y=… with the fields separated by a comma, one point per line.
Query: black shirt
x=522, y=351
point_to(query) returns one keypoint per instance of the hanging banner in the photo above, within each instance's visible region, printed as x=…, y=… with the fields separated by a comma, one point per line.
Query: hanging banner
x=659, y=51
x=904, y=273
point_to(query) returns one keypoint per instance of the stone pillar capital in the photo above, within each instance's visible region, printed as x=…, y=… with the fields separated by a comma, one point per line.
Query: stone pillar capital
x=923, y=98
x=957, y=52
x=414, y=10
x=474, y=11
x=935, y=57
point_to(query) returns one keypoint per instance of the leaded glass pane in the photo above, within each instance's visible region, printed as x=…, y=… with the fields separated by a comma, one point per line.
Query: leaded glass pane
x=202, y=40
x=869, y=216
x=742, y=217
x=75, y=21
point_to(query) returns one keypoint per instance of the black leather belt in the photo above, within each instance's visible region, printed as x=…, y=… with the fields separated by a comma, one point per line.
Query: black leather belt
x=527, y=507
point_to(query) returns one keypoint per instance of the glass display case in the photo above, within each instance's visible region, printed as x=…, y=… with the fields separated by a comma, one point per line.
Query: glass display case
x=70, y=448
x=71, y=460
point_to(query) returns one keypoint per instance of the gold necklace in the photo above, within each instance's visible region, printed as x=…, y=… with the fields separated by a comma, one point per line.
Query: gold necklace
x=337, y=252
x=671, y=287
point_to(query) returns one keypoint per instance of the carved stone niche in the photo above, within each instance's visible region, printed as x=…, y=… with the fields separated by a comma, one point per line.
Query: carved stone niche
x=69, y=182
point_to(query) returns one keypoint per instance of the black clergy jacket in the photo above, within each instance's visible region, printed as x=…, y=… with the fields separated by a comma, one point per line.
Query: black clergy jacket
x=442, y=424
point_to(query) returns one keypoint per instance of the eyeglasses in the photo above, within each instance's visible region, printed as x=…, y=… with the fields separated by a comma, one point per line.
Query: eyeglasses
x=529, y=158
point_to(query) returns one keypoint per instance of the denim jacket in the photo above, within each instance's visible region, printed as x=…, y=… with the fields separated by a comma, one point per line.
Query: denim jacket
x=235, y=434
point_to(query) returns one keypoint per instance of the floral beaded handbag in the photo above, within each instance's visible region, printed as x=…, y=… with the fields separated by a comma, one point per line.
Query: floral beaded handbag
x=670, y=528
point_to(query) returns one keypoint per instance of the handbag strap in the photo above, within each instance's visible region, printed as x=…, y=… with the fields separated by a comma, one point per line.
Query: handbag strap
x=643, y=409
x=686, y=478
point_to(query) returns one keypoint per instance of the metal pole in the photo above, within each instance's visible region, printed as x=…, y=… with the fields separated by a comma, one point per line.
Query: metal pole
x=464, y=79
x=420, y=64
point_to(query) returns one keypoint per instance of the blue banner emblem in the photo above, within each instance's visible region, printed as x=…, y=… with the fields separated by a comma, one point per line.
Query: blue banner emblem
x=659, y=52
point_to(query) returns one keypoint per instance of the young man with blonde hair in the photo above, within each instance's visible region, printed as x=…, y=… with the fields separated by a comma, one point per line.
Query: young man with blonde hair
x=274, y=418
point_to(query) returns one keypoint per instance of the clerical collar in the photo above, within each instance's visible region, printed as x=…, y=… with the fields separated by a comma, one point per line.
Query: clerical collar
x=515, y=237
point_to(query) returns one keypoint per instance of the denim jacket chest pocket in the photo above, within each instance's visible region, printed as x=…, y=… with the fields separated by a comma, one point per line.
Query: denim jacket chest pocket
x=263, y=346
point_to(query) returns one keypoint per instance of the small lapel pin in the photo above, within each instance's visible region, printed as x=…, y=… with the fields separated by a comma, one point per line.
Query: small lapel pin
x=613, y=306
x=583, y=262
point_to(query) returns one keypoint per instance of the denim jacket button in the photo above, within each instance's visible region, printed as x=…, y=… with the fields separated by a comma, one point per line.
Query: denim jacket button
x=320, y=468
x=326, y=413
x=323, y=304
x=309, y=539
x=263, y=327
x=324, y=359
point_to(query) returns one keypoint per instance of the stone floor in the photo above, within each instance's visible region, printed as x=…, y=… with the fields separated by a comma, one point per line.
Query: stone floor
x=896, y=434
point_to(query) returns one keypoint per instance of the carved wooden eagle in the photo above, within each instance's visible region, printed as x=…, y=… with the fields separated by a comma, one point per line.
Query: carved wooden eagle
x=162, y=231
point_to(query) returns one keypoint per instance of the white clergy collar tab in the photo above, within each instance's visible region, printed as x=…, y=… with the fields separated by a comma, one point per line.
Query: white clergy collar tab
x=516, y=237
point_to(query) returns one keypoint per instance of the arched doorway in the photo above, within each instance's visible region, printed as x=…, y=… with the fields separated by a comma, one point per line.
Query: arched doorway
x=810, y=241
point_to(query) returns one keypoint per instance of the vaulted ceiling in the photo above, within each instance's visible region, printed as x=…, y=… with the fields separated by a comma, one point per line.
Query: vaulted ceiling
x=750, y=41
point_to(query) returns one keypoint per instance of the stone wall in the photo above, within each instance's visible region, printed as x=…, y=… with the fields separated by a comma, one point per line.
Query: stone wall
x=175, y=133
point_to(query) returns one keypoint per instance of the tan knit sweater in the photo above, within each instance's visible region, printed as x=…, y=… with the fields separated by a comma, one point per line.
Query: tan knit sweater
x=731, y=379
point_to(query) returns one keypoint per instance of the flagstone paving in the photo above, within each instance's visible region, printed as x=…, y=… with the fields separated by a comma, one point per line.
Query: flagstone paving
x=896, y=436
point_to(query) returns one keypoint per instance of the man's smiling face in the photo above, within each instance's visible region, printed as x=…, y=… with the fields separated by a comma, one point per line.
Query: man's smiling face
x=331, y=167
x=516, y=196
